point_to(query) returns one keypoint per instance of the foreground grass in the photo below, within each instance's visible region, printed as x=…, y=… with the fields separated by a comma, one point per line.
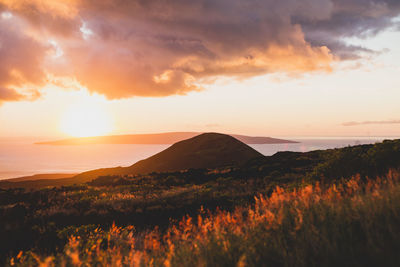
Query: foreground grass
x=352, y=223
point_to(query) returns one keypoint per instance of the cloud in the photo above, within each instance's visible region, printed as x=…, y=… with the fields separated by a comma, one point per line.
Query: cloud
x=162, y=48
x=355, y=123
x=60, y=17
x=158, y=48
x=7, y=94
x=21, y=59
x=348, y=19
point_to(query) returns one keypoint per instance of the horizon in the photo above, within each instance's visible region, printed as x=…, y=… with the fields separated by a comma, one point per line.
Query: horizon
x=287, y=137
x=20, y=158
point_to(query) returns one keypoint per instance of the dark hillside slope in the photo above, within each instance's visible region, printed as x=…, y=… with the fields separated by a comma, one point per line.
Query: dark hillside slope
x=208, y=150
x=330, y=164
x=283, y=167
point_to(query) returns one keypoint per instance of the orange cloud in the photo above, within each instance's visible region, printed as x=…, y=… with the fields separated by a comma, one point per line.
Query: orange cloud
x=20, y=65
x=157, y=48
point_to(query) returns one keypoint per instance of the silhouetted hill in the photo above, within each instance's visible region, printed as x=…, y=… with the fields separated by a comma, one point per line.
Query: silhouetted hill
x=38, y=183
x=41, y=176
x=208, y=150
x=282, y=167
x=43, y=219
x=39, y=180
x=157, y=138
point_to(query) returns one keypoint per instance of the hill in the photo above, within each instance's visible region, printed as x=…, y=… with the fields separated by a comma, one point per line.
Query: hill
x=356, y=193
x=44, y=219
x=41, y=176
x=39, y=180
x=157, y=138
x=367, y=160
x=207, y=151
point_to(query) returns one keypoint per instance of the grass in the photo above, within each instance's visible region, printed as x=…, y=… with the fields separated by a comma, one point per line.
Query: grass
x=41, y=222
x=353, y=222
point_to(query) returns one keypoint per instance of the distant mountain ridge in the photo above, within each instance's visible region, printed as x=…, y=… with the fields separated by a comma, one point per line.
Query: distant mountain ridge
x=157, y=138
x=208, y=150
x=41, y=176
x=368, y=160
x=204, y=151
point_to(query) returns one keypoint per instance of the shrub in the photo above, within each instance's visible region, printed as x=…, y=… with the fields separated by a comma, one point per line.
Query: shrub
x=352, y=223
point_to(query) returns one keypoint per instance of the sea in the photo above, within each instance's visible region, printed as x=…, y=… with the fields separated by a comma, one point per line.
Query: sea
x=21, y=157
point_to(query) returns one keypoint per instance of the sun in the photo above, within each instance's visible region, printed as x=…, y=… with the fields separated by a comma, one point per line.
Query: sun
x=86, y=119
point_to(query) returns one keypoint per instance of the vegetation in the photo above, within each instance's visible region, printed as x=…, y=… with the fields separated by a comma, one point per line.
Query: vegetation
x=352, y=223
x=42, y=221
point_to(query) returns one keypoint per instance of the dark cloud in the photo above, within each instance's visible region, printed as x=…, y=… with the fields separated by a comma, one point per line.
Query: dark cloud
x=350, y=18
x=356, y=123
x=58, y=17
x=160, y=48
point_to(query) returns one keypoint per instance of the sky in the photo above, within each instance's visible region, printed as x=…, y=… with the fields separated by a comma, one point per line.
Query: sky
x=273, y=68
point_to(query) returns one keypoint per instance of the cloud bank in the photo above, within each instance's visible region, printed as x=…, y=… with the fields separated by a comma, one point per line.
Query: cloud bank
x=158, y=48
x=356, y=123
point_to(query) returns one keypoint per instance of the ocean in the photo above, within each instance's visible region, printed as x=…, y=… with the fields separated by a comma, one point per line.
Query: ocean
x=21, y=157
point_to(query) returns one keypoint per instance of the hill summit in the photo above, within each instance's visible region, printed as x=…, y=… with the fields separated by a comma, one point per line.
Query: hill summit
x=156, y=138
x=208, y=150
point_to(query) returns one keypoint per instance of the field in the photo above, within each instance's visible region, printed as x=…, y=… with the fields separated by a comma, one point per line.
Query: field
x=329, y=207
x=352, y=223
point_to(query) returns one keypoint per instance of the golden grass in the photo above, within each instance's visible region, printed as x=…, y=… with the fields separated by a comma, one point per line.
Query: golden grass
x=352, y=223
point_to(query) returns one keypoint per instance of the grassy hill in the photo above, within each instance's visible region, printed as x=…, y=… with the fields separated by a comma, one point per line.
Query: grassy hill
x=282, y=167
x=46, y=176
x=43, y=220
x=208, y=150
x=39, y=181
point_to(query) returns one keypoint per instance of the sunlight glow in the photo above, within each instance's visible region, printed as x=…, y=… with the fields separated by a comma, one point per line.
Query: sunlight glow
x=6, y=15
x=86, y=32
x=57, y=51
x=86, y=119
